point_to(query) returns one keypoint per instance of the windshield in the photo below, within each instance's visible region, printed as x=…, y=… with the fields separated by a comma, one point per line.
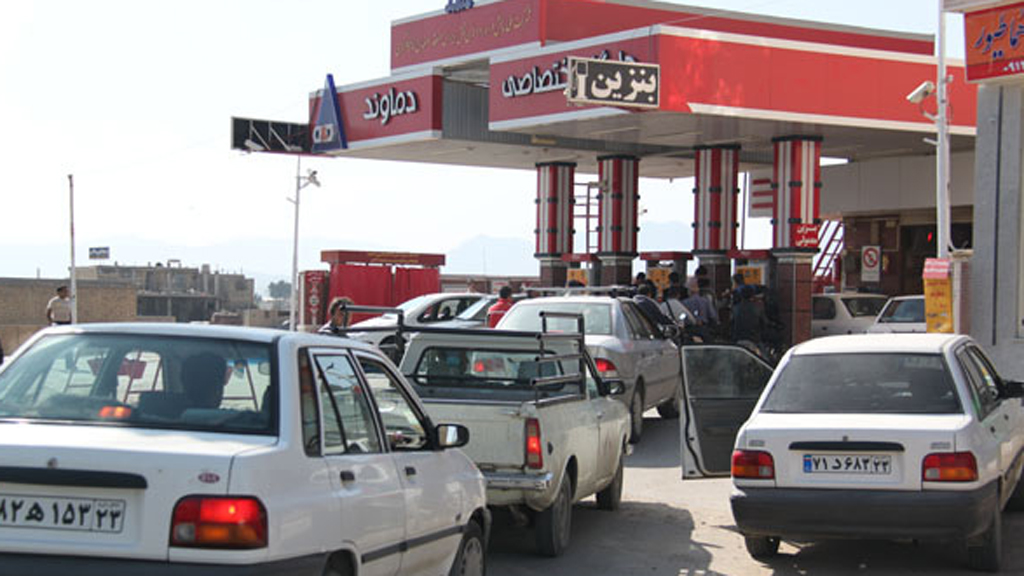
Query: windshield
x=597, y=317
x=883, y=383
x=477, y=310
x=451, y=367
x=862, y=306
x=898, y=311
x=144, y=381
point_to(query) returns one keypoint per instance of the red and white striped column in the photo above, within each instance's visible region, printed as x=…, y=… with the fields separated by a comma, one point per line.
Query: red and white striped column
x=617, y=216
x=717, y=190
x=554, y=229
x=797, y=181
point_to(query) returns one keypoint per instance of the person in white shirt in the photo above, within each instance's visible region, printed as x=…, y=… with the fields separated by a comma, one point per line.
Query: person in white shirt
x=58, y=310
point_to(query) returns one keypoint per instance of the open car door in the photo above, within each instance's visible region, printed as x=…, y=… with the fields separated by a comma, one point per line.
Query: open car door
x=721, y=385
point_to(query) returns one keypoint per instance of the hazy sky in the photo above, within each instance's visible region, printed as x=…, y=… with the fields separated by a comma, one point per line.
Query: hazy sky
x=135, y=99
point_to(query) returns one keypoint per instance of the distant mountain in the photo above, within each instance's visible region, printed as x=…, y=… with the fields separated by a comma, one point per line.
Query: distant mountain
x=492, y=256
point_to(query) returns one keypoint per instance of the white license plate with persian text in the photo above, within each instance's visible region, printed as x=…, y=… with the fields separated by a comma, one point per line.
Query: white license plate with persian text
x=82, y=514
x=874, y=464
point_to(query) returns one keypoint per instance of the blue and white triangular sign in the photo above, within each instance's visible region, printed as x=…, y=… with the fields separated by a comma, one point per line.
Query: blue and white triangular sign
x=328, y=130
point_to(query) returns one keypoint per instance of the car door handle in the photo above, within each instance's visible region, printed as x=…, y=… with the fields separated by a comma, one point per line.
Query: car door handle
x=410, y=471
x=347, y=476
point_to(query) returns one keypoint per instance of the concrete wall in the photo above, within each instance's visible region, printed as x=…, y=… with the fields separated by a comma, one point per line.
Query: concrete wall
x=894, y=184
x=996, y=307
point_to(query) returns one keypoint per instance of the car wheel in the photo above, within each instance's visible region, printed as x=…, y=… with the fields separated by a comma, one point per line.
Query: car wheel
x=636, y=414
x=985, y=551
x=611, y=496
x=555, y=522
x=1016, y=501
x=669, y=410
x=762, y=547
x=469, y=561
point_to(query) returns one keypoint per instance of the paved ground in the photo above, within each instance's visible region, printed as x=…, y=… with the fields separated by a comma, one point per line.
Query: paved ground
x=670, y=527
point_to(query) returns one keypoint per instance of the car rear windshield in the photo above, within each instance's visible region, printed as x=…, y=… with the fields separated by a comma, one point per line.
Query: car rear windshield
x=900, y=311
x=597, y=318
x=144, y=381
x=875, y=383
x=860, y=307
x=453, y=367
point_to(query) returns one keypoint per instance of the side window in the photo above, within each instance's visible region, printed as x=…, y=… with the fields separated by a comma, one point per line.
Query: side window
x=308, y=406
x=716, y=372
x=592, y=390
x=992, y=382
x=638, y=328
x=404, y=428
x=348, y=418
x=984, y=395
x=823, y=309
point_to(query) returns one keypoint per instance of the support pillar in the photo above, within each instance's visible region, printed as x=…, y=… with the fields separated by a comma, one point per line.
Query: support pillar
x=796, y=179
x=715, y=209
x=617, y=231
x=554, y=220
x=793, y=288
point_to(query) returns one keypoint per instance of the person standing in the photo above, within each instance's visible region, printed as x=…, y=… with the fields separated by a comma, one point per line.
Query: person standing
x=339, y=317
x=498, y=309
x=702, y=309
x=748, y=321
x=58, y=309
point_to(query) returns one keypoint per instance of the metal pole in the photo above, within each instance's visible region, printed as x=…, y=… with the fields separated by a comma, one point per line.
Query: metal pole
x=74, y=283
x=292, y=324
x=743, y=210
x=942, y=152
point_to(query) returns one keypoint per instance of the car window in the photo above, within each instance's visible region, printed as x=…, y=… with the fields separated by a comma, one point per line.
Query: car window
x=487, y=368
x=525, y=316
x=348, y=417
x=984, y=390
x=869, y=383
x=862, y=307
x=823, y=308
x=145, y=381
x=404, y=428
x=635, y=321
x=477, y=310
x=721, y=372
x=900, y=311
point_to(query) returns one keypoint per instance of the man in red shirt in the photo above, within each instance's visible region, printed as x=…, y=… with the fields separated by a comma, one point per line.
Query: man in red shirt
x=498, y=309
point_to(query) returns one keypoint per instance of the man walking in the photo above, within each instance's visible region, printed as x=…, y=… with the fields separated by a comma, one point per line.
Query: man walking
x=58, y=309
x=498, y=309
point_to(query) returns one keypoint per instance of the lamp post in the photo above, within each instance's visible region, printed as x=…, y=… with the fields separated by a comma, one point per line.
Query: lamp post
x=942, y=144
x=74, y=283
x=300, y=183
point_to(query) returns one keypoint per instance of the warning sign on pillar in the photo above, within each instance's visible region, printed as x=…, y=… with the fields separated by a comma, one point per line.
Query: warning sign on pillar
x=871, y=264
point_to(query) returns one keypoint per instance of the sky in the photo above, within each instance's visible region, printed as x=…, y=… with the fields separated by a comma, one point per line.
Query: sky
x=134, y=99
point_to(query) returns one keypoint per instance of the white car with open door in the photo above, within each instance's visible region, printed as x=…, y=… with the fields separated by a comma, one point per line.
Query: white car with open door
x=177, y=449
x=899, y=436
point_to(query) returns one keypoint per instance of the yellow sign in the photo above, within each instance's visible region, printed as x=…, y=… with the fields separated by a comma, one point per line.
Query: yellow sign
x=938, y=296
x=751, y=274
x=577, y=274
x=659, y=276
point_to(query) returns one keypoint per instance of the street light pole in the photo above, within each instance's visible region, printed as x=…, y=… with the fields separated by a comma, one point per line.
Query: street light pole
x=942, y=140
x=74, y=284
x=300, y=183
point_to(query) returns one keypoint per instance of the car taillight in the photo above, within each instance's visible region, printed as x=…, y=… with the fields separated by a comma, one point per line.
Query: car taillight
x=219, y=522
x=534, y=451
x=949, y=467
x=606, y=367
x=753, y=464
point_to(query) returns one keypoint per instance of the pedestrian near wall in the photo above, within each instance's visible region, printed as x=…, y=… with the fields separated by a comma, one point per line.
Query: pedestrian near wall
x=58, y=309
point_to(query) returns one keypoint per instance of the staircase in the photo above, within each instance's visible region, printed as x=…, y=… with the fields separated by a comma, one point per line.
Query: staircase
x=826, y=268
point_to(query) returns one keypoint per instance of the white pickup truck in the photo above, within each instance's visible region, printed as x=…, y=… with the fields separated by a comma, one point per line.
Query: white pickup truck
x=545, y=428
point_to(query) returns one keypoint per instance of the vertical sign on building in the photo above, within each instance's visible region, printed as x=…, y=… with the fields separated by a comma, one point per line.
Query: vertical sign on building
x=871, y=264
x=938, y=295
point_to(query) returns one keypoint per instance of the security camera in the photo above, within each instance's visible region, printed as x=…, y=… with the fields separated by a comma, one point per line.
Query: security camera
x=926, y=89
x=312, y=178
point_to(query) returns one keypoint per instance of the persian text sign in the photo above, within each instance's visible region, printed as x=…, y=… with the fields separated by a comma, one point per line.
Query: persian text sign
x=594, y=81
x=938, y=295
x=994, y=42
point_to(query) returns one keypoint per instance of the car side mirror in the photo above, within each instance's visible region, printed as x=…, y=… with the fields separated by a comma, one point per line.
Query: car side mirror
x=1012, y=389
x=452, y=435
x=614, y=387
x=670, y=331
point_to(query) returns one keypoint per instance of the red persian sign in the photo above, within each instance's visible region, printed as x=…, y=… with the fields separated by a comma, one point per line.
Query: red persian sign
x=995, y=42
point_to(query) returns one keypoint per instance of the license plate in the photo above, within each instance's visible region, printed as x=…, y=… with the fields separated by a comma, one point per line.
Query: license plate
x=81, y=514
x=873, y=464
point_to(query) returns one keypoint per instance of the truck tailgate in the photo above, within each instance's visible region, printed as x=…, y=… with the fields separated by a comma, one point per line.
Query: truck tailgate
x=496, y=430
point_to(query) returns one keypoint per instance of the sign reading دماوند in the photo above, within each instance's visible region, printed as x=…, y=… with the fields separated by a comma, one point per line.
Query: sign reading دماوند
x=871, y=264
x=994, y=41
x=390, y=104
x=593, y=81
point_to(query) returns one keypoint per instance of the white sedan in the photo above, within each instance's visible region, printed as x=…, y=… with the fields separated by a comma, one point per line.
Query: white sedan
x=176, y=449
x=844, y=313
x=876, y=436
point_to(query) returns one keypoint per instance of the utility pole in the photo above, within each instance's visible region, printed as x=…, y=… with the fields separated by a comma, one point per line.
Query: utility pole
x=74, y=284
x=942, y=216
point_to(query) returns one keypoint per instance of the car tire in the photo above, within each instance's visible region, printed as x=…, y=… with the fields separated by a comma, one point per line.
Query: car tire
x=554, y=523
x=471, y=558
x=610, y=498
x=1016, y=501
x=985, y=551
x=669, y=410
x=762, y=547
x=636, y=414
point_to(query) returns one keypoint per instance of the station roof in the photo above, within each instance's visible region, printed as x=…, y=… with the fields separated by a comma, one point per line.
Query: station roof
x=483, y=87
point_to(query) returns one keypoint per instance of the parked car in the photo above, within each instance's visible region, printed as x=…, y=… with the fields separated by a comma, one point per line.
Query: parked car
x=420, y=311
x=545, y=433
x=161, y=448
x=844, y=313
x=475, y=316
x=902, y=314
x=893, y=436
x=624, y=344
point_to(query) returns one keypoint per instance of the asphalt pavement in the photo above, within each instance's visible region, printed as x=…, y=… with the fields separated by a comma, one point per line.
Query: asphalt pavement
x=668, y=527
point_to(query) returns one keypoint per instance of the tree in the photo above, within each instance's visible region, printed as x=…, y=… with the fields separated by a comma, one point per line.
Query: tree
x=280, y=289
